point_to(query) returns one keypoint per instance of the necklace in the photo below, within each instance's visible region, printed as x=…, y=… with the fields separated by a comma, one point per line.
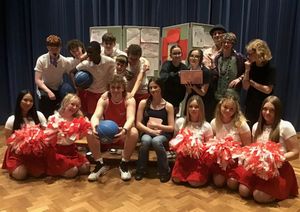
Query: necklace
x=225, y=65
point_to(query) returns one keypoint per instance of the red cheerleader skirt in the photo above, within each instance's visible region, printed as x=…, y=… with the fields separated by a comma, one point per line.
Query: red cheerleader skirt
x=63, y=158
x=35, y=165
x=188, y=169
x=281, y=187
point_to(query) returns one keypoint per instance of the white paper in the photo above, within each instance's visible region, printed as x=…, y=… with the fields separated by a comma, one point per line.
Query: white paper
x=133, y=36
x=150, y=49
x=96, y=34
x=201, y=38
x=150, y=35
x=154, y=65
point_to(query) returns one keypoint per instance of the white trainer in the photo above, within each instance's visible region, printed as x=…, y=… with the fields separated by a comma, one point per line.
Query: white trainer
x=99, y=170
x=125, y=173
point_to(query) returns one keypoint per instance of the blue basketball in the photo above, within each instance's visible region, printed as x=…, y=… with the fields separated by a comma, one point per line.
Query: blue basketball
x=83, y=79
x=64, y=89
x=107, y=129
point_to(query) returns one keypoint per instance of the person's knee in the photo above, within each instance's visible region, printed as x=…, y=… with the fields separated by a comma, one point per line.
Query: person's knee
x=70, y=173
x=219, y=180
x=232, y=184
x=20, y=173
x=158, y=142
x=262, y=197
x=244, y=191
x=84, y=169
x=196, y=184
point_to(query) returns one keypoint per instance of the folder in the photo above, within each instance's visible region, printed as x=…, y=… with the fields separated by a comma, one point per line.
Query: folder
x=191, y=77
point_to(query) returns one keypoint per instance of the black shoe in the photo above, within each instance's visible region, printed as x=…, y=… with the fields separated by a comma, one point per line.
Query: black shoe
x=139, y=175
x=165, y=178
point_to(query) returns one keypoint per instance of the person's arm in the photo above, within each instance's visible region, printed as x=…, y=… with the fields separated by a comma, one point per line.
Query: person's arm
x=266, y=89
x=200, y=91
x=138, y=82
x=40, y=83
x=7, y=133
x=139, y=118
x=292, y=148
x=101, y=105
x=246, y=79
x=245, y=138
x=130, y=113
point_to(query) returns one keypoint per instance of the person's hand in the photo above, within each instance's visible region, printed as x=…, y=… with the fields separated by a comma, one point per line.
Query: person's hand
x=51, y=95
x=155, y=132
x=121, y=135
x=129, y=95
x=234, y=82
x=146, y=67
x=189, y=85
x=247, y=65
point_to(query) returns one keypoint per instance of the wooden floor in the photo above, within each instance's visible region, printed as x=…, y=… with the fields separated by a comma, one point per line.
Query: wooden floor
x=110, y=193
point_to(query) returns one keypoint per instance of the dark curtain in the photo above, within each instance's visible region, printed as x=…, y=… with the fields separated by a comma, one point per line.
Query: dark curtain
x=25, y=24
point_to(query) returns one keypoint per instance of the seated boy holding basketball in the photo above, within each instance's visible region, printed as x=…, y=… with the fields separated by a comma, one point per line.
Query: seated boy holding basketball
x=120, y=109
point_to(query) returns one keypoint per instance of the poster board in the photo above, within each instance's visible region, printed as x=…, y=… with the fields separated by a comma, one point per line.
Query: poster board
x=149, y=40
x=187, y=35
x=96, y=33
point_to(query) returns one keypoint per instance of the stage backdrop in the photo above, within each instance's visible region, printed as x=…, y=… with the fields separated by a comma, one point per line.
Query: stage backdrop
x=25, y=24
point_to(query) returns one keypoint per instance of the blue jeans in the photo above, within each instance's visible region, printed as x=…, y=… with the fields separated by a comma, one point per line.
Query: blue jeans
x=157, y=142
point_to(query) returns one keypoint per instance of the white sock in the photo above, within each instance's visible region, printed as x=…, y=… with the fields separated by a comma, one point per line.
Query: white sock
x=123, y=159
x=100, y=160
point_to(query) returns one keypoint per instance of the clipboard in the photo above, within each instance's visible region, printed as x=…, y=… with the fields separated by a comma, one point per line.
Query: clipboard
x=191, y=77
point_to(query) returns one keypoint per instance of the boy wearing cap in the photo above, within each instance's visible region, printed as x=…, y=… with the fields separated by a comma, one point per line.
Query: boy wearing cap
x=209, y=54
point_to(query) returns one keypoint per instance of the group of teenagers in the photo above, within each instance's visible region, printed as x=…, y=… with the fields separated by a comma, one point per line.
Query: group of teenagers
x=146, y=110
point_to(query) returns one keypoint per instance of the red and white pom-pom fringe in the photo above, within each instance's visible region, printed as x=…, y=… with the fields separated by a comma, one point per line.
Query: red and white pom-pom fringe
x=263, y=159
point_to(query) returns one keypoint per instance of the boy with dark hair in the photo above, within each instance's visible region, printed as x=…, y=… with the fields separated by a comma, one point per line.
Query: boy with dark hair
x=109, y=43
x=102, y=68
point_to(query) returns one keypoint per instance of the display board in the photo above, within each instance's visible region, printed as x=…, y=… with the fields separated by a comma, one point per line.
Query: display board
x=149, y=40
x=96, y=33
x=187, y=35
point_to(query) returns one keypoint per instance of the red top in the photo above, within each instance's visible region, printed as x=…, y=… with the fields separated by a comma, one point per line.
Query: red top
x=116, y=112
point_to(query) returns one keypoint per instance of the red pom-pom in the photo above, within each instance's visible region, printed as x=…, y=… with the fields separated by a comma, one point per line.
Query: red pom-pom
x=263, y=159
x=28, y=140
x=186, y=144
x=71, y=130
x=222, y=151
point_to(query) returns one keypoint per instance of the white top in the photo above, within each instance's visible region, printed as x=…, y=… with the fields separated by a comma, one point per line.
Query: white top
x=211, y=52
x=229, y=130
x=286, y=130
x=116, y=52
x=73, y=62
x=136, y=70
x=10, y=121
x=198, y=131
x=51, y=75
x=102, y=73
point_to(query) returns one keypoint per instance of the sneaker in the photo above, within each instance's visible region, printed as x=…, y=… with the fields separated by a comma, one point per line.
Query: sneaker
x=99, y=170
x=139, y=175
x=125, y=173
x=165, y=178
